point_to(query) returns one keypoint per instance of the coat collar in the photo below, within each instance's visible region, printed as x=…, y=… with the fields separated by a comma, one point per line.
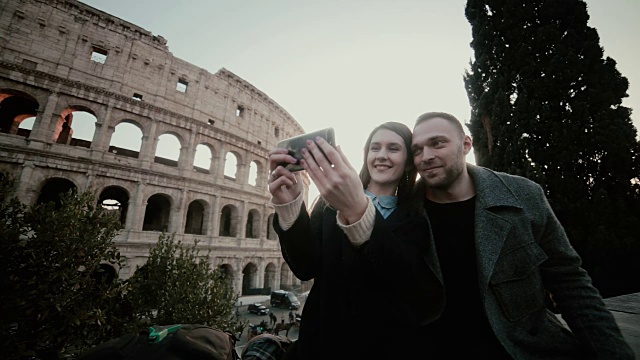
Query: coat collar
x=491, y=191
x=491, y=227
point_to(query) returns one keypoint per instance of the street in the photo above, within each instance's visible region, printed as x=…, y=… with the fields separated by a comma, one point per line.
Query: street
x=281, y=314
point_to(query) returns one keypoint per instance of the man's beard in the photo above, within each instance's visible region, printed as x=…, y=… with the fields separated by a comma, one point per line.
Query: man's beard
x=452, y=173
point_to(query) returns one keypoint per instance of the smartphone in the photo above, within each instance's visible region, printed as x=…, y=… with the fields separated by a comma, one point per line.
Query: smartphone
x=297, y=143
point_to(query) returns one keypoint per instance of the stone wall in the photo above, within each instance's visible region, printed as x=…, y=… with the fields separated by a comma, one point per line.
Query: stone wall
x=62, y=56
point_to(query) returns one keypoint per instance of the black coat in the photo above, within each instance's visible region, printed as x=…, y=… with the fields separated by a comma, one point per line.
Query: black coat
x=363, y=300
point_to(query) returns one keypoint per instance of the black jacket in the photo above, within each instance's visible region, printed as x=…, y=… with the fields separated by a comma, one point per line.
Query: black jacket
x=375, y=293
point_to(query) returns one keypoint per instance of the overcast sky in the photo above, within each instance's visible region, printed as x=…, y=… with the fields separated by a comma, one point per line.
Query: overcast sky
x=351, y=64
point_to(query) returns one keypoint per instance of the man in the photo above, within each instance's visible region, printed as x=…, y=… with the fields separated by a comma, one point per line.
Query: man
x=499, y=249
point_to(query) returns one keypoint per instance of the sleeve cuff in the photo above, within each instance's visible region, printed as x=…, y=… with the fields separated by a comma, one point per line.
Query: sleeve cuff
x=360, y=231
x=288, y=213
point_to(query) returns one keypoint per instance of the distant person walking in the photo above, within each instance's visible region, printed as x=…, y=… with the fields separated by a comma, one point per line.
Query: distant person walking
x=273, y=319
x=291, y=317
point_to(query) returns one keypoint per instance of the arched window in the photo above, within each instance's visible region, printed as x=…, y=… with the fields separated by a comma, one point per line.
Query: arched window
x=195, y=218
x=167, y=150
x=253, y=224
x=126, y=140
x=15, y=107
x=202, y=159
x=229, y=221
x=253, y=173
x=115, y=198
x=53, y=189
x=157, y=212
x=230, y=166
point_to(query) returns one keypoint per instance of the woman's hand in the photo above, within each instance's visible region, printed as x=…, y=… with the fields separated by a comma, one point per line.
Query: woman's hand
x=336, y=180
x=283, y=185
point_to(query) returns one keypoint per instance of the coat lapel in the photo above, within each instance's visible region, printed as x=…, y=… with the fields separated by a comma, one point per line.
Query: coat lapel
x=491, y=229
x=431, y=255
x=490, y=234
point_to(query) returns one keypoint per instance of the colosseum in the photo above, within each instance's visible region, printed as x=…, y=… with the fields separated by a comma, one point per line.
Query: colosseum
x=62, y=61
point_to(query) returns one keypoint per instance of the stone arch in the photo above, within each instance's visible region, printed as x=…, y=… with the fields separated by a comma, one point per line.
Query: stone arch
x=255, y=169
x=232, y=163
x=157, y=213
x=195, y=221
x=286, y=277
x=26, y=125
x=168, y=147
x=252, y=227
x=203, y=158
x=270, y=273
x=115, y=198
x=229, y=216
x=249, y=278
x=271, y=232
x=228, y=273
x=63, y=133
x=53, y=188
x=104, y=274
x=15, y=107
x=123, y=142
x=84, y=126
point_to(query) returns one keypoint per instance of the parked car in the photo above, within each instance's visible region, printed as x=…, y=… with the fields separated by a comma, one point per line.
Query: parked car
x=258, y=309
x=284, y=299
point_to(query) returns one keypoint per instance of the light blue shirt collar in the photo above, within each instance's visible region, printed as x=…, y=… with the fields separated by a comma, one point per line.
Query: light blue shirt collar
x=385, y=203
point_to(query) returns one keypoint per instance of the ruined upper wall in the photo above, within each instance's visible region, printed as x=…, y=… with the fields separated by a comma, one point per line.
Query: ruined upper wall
x=59, y=36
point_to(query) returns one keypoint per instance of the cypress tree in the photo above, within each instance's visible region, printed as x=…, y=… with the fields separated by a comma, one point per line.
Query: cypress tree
x=546, y=104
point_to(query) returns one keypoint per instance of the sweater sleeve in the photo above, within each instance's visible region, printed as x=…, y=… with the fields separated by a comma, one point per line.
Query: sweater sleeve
x=360, y=231
x=288, y=213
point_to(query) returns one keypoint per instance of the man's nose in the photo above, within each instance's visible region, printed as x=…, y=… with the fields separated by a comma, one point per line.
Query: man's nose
x=427, y=154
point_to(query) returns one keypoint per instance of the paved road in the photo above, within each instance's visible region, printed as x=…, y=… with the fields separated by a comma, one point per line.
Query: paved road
x=243, y=302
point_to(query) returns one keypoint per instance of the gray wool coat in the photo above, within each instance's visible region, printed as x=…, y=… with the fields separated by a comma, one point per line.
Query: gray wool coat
x=522, y=250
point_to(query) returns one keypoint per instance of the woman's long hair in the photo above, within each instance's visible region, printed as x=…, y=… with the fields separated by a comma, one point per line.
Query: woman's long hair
x=408, y=180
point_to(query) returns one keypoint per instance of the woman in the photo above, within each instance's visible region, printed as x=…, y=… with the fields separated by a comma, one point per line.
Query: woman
x=373, y=285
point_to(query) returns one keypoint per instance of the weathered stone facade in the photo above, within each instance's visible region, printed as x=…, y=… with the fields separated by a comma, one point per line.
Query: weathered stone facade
x=62, y=56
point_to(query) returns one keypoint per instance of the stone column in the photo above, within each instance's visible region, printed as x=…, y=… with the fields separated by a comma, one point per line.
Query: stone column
x=237, y=266
x=134, y=220
x=90, y=177
x=25, y=192
x=178, y=214
x=187, y=153
x=206, y=220
x=221, y=163
x=42, y=125
x=214, y=168
x=103, y=132
x=243, y=221
x=260, y=273
x=215, y=217
x=278, y=274
x=242, y=173
x=264, y=224
x=148, y=147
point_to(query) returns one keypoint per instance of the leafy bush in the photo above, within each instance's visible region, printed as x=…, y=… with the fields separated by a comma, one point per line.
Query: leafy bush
x=178, y=285
x=54, y=298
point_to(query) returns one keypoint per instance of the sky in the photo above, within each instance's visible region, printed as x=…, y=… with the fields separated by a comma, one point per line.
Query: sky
x=355, y=64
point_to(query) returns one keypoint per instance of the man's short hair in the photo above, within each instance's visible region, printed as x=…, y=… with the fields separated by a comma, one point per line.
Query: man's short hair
x=441, y=115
